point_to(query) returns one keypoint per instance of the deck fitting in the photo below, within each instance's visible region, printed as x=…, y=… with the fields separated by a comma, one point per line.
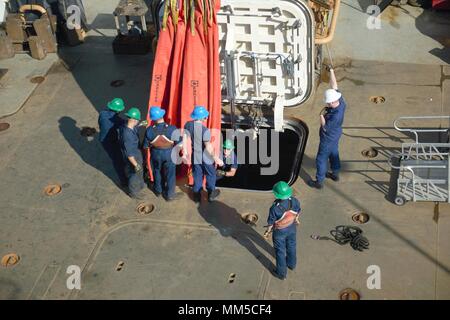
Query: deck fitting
x=120, y=265
x=37, y=79
x=250, y=218
x=10, y=260
x=349, y=294
x=370, y=153
x=377, y=99
x=361, y=218
x=52, y=189
x=144, y=209
x=4, y=126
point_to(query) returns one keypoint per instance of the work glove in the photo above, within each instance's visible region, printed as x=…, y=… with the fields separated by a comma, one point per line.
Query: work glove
x=138, y=168
x=221, y=173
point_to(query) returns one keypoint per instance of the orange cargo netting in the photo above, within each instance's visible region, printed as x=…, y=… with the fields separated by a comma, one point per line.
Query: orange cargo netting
x=186, y=70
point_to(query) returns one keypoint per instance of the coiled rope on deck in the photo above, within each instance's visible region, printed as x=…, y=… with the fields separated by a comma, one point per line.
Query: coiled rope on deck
x=347, y=234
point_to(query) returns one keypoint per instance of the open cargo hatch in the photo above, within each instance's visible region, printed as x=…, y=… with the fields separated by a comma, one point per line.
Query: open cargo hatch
x=282, y=153
x=267, y=61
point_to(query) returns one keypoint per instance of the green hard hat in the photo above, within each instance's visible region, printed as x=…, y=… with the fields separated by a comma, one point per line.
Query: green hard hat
x=117, y=105
x=282, y=190
x=134, y=113
x=228, y=144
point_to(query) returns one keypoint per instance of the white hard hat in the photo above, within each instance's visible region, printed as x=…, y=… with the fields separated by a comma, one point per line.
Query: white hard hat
x=332, y=95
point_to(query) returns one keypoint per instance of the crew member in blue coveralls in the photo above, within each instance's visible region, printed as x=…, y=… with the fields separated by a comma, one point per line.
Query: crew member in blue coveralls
x=109, y=122
x=129, y=143
x=282, y=223
x=229, y=158
x=158, y=138
x=330, y=133
x=202, y=154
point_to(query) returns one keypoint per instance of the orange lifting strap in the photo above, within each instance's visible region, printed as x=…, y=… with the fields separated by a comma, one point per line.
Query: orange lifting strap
x=186, y=70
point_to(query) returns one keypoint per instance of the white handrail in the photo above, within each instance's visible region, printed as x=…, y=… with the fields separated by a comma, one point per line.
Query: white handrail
x=416, y=130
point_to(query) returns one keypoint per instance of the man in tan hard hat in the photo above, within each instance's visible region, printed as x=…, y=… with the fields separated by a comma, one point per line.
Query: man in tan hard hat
x=330, y=132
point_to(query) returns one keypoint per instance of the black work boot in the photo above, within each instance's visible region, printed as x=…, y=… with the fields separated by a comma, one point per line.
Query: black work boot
x=197, y=197
x=213, y=195
x=332, y=176
x=315, y=184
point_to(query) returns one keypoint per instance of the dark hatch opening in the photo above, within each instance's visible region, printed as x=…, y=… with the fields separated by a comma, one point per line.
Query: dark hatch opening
x=292, y=144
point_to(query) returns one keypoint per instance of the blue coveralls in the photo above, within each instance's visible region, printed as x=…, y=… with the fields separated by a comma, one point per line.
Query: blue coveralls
x=284, y=240
x=229, y=163
x=202, y=164
x=329, y=141
x=129, y=143
x=109, y=122
x=161, y=159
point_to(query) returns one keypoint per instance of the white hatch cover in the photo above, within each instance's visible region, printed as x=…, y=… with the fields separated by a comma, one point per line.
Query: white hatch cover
x=266, y=51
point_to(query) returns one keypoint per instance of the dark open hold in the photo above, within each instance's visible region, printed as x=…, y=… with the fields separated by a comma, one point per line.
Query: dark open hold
x=117, y=83
x=291, y=146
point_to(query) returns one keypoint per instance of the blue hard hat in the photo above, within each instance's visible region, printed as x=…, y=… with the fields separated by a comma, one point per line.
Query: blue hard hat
x=156, y=113
x=199, y=113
